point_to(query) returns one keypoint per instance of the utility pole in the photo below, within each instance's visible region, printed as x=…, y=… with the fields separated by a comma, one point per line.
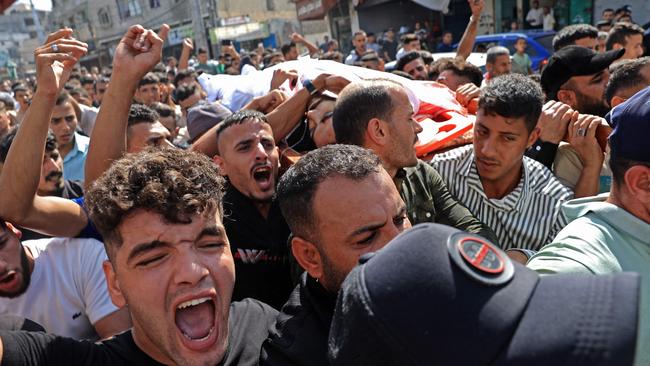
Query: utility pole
x=214, y=18
x=37, y=23
x=199, y=28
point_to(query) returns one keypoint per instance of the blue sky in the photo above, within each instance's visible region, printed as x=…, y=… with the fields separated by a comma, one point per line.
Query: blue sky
x=39, y=4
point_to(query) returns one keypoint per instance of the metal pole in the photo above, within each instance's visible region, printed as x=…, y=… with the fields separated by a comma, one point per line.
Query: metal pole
x=214, y=18
x=199, y=28
x=37, y=23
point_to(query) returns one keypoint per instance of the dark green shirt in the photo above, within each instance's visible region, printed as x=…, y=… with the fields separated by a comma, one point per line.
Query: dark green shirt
x=427, y=199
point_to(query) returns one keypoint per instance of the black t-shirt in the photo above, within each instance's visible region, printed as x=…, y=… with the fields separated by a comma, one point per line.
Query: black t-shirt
x=248, y=328
x=260, y=249
x=71, y=189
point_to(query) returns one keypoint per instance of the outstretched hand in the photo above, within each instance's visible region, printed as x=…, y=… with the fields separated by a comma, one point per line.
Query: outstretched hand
x=55, y=60
x=138, y=52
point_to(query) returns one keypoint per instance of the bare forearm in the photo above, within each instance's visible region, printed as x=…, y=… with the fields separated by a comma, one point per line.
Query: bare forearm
x=588, y=183
x=310, y=46
x=467, y=41
x=184, y=60
x=22, y=168
x=108, y=140
x=284, y=118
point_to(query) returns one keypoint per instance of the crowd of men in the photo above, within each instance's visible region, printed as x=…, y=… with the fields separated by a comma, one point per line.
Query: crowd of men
x=166, y=213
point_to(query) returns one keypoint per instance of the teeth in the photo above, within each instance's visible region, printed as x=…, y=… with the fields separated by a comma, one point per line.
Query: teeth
x=193, y=302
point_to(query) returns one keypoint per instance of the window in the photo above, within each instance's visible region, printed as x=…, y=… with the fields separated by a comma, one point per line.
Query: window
x=104, y=17
x=154, y=4
x=270, y=5
x=128, y=8
x=29, y=22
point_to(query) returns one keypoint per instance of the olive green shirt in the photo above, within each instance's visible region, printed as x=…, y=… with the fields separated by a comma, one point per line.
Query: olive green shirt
x=427, y=199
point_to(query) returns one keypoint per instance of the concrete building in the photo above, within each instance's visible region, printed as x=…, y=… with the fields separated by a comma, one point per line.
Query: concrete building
x=101, y=23
x=19, y=37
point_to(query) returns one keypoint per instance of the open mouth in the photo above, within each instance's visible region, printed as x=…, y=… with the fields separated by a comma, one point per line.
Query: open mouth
x=195, y=319
x=10, y=276
x=9, y=281
x=262, y=175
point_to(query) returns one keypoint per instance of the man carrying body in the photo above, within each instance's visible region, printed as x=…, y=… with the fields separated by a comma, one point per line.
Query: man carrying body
x=340, y=203
x=610, y=234
x=378, y=115
x=515, y=196
x=248, y=157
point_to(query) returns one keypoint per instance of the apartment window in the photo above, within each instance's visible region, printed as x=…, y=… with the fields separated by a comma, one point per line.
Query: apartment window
x=104, y=17
x=29, y=22
x=154, y=4
x=128, y=8
x=270, y=5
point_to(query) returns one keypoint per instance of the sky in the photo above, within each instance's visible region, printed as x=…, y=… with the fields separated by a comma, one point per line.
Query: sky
x=39, y=4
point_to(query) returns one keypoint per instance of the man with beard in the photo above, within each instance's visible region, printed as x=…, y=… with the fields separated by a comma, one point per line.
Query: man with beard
x=58, y=283
x=378, y=115
x=340, y=204
x=577, y=76
x=51, y=182
x=248, y=157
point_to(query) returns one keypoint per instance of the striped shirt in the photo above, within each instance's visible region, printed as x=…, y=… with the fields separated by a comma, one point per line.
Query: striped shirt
x=526, y=218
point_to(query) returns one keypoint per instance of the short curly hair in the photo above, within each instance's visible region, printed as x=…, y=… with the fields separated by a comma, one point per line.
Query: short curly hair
x=513, y=96
x=171, y=182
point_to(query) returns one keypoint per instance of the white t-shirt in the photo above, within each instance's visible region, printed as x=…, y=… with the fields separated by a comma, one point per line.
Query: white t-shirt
x=535, y=17
x=67, y=293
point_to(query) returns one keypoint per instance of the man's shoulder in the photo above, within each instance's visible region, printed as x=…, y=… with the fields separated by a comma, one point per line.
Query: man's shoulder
x=82, y=142
x=543, y=181
x=65, y=249
x=250, y=321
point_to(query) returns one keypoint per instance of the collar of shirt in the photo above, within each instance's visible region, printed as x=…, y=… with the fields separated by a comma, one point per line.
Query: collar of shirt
x=80, y=145
x=513, y=201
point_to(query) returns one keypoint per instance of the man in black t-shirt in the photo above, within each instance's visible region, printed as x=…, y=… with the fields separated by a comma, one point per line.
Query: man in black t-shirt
x=248, y=157
x=170, y=263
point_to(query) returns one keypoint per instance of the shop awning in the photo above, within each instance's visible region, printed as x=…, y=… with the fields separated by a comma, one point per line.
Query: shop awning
x=439, y=5
x=313, y=9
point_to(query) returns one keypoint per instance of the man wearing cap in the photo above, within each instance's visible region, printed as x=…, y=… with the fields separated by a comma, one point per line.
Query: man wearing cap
x=248, y=157
x=577, y=76
x=340, y=203
x=438, y=296
x=203, y=116
x=378, y=115
x=610, y=234
x=514, y=195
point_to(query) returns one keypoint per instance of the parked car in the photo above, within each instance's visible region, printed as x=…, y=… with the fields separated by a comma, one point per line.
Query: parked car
x=540, y=44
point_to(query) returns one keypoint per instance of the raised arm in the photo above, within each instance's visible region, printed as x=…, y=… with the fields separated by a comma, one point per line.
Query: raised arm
x=184, y=60
x=298, y=38
x=466, y=43
x=19, y=202
x=582, y=136
x=137, y=53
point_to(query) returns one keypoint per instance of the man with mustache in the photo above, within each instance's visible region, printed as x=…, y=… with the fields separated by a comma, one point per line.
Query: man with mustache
x=51, y=182
x=248, y=157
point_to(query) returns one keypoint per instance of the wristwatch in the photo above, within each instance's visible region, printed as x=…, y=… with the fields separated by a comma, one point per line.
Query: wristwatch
x=310, y=87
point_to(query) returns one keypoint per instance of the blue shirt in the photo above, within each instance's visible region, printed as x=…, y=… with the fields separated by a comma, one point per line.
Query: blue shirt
x=75, y=161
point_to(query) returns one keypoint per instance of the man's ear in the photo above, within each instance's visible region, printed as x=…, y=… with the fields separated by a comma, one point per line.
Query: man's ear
x=307, y=256
x=376, y=133
x=616, y=100
x=567, y=97
x=217, y=159
x=113, y=285
x=617, y=46
x=534, y=135
x=18, y=233
x=637, y=180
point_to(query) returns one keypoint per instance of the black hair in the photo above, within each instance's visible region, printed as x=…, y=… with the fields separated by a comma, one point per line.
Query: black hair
x=409, y=57
x=357, y=105
x=183, y=74
x=202, y=50
x=619, y=32
x=240, y=117
x=513, y=96
x=459, y=67
x=494, y=52
x=140, y=113
x=183, y=92
x=87, y=80
x=409, y=37
x=626, y=74
x=163, y=110
x=297, y=187
x=8, y=139
x=148, y=78
x=286, y=48
x=568, y=35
